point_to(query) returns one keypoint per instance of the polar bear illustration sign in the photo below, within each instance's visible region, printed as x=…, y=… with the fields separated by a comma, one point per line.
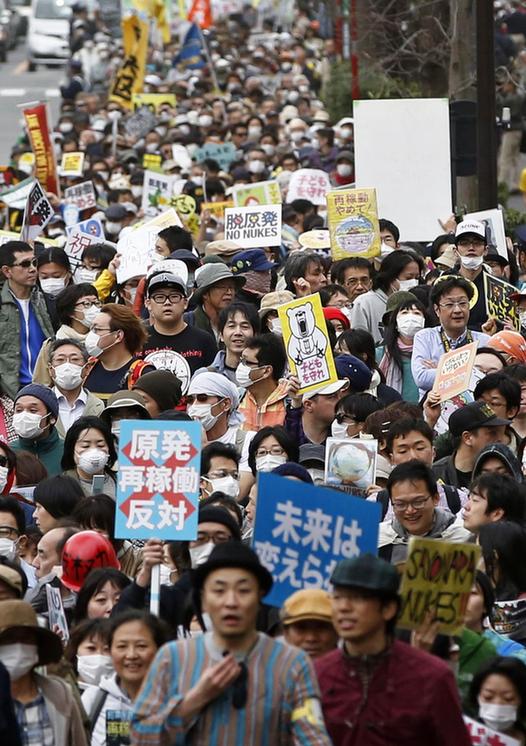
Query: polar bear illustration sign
x=307, y=342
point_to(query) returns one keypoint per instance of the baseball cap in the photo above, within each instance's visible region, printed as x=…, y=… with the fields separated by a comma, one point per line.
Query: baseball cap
x=163, y=279
x=307, y=604
x=470, y=228
x=331, y=388
x=253, y=260
x=472, y=416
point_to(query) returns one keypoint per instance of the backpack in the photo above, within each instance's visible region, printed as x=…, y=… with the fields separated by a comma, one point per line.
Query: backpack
x=96, y=708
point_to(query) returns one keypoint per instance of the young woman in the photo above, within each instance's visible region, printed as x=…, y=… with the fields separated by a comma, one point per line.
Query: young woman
x=99, y=593
x=498, y=697
x=88, y=653
x=89, y=450
x=270, y=447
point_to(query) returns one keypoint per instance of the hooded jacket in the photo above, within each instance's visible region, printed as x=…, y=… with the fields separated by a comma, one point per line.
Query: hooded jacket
x=115, y=699
x=504, y=454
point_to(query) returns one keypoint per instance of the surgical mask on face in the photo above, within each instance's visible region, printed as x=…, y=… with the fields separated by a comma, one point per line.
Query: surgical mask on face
x=275, y=326
x=318, y=475
x=65, y=127
x=315, y=143
x=91, y=343
x=296, y=135
x=471, y=262
x=68, y=376
x=136, y=191
x=269, y=462
x=92, y=461
x=82, y=274
x=197, y=180
x=243, y=375
x=89, y=316
x=27, y=424
x=184, y=129
x=113, y=228
x=293, y=96
x=499, y=717
x=254, y=133
x=8, y=549
x=92, y=668
x=114, y=115
x=165, y=574
x=152, y=147
x=203, y=414
x=339, y=429
x=408, y=324
x=4, y=473
x=346, y=132
x=52, y=285
x=205, y=120
x=408, y=284
x=19, y=658
x=344, y=169
x=228, y=485
x=268, y=149
x=256, y=167
x=199, y=555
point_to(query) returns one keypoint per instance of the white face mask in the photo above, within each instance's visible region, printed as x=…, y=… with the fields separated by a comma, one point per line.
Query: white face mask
x=89, y=316
x=91, y=343
x=19, y=658
x=92, y=668
x=243, y=375
x=297, y=135
x=4, y=473
x=197, y=180
x=52, y=285
x=498, y=717
x=346, y=132
x=113, y=228
x=205, y=120
x=228, y=485
x=275, y=327
x=136, y=191
x=152, y=147
x=471, y=262
x=116, y=429
x=269, y=462
x=254, y=133
x=65, y=127
x=27, y=424
x=8, y=549
x=407, y=284
x=199, y=555
x=268, y=149
x=92, y=461
x=256, y=167
x=68, y=376
x=344, y=169
x=203, y=414
x=339, y=429
x=82, y=274
x=408, y=324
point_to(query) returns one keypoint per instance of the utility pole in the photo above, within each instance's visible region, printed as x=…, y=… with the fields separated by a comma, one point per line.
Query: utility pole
x=486, y=111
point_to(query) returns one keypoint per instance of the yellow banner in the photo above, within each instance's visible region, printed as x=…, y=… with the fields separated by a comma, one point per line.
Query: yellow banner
x=130, y=76
x=72, y=164
x=154, y=101
x=353, y=223
x=217, y=209
x=152, y=162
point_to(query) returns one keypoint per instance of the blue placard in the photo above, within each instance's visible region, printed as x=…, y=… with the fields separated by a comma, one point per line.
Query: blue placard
x=91, y=227
x=158, y=480
x=301, y=532
x=224, y=153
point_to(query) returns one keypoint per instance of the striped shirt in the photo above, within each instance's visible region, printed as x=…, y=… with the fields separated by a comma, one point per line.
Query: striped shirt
x=282, y=708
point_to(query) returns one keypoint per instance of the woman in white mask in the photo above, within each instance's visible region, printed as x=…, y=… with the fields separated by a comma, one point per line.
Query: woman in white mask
x=54, y=271
x=271, y=447
x=35, y=415
x=88, y=653
x=89, y=451
x=498, y=696
x=406, y=317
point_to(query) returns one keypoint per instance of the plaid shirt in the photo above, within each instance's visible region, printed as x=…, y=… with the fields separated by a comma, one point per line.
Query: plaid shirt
x=34, y=723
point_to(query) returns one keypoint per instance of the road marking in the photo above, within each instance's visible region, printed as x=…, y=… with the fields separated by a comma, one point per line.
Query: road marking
x=15, y=92
x=52, y=92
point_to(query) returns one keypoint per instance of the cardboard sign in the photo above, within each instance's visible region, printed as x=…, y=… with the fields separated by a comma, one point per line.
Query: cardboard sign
x=498, y=302
x=140, y=123
x=37, y=214
x=81, y=195
x=307, y=342
x=157, y=192
x=129, y=78
x=6, y=236
x=309, y=183
x=137, y=246
x=351, y=463
x=493, y=221
x=217, y=209
x=353, y=223
x=301, y=532
x=56, y=613
x=454, y=371
x=224, y=153
x=158, y=480
x=262, y=193
x=36, y=117
x=81, y=235
x=438, y=577
x=118, y=724
x=72, y=164
x=481, y=735
x=16, y=196
x=152, y=162
x=254, y=227
x=154, y=101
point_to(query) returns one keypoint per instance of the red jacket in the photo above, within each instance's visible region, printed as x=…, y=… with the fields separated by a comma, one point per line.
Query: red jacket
x=412, y=700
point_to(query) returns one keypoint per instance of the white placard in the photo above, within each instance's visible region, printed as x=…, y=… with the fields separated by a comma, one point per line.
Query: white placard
x=253, y=227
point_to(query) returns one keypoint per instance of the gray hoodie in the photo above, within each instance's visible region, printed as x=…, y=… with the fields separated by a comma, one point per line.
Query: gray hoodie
x=505, y=454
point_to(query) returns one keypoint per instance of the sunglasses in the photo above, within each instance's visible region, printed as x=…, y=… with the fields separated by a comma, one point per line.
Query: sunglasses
x=239, y=688
x=25, y=263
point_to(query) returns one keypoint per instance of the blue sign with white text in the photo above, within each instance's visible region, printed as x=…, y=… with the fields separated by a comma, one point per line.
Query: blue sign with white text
x=301, y=532
x=158, y=480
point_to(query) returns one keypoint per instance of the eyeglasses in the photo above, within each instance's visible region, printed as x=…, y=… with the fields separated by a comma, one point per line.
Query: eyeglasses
x=88, y=304
x=475, y=242
x=74, y=359
x=272, y=451
x=25, y=263
x=7, y=531
x=352, y=281
x=101, y=329
x=401, y=506
x=239, y=687
x=348, y=419
x=250, y=363
x=219, y=537
x=462, y=304
x=220, y=473
x=161, y=299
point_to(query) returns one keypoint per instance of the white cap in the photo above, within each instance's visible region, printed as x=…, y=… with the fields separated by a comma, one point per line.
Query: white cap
x=470, y=228
x=331, y=388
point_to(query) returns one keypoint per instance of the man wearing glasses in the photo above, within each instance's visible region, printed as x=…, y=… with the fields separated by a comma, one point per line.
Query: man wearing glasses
x=24, y=319
x=413, y=493
x=166, y=301
x=470, y=240
x=232, y=685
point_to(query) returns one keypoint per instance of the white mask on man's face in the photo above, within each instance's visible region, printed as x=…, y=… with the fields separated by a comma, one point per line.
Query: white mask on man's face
x=19, y=658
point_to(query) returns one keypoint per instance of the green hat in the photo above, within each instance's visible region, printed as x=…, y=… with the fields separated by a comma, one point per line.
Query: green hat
x=395, y=300
x=369, y=572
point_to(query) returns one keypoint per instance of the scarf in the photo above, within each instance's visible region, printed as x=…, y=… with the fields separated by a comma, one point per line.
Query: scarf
x=257, y=283
x=391, y=371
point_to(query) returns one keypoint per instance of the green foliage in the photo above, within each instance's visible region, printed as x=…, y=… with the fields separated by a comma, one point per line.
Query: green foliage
x=336, y=95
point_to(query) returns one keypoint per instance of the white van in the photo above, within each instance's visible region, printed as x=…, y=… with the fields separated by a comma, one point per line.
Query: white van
x=48, y=33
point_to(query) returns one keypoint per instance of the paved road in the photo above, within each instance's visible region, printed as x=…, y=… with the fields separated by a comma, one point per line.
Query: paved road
x=18, y=86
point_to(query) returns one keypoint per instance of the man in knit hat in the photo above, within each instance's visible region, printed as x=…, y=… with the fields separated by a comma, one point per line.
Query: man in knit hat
x=232, y=679
x=34, y=419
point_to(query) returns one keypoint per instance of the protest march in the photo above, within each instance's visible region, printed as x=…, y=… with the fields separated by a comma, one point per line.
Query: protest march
x=262, y=385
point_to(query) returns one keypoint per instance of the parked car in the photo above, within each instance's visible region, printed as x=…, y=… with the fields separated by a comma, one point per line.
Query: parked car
x=48, y=33
x=23, y=8
x=9, y=20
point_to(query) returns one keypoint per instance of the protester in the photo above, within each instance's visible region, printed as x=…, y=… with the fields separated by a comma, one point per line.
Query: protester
x=306, y=618
x=498, y=695
x=99, y=594
x=34, y=419
x=55, y=498
x=89, y=451
x=260, y=370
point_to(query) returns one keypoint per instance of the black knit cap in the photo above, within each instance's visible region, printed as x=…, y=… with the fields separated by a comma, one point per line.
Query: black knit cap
x=232, y=554
x=218, y=514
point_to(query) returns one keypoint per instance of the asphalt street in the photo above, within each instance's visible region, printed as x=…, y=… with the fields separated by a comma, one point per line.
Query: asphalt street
x=17, y=86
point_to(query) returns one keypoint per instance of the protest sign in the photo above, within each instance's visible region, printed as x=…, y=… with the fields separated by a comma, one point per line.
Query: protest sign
x=156, y=192
x=454, y=371
x=37, y=214
x=80, y=236
x=56, y=613
x=16, y=196
x=152, y=162
x=129, y=78
x=6, y=236
x=137, y=246
x=184, y=204
x=72, y=164
x=81, y=195
x=154, y=101
x=262, y=193
x=217, y=209
x=26, y=162
x=140, y=123
x=181, y=157
x=353, y=223
x=493, y=222
x=118, y=724
x=437, y=578
x=307, y=342
x=351, y=463
x=37, y=124
x=224, y=153
x=499, y=304
x=253, y=227
x=309, y=183
x=481, y=735
x=301, y=532
x=158, y=480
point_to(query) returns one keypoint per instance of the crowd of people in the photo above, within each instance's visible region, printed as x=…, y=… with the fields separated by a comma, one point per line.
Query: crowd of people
x=197, y=336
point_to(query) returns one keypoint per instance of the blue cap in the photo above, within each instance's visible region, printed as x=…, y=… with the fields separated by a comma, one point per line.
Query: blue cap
x=186, y=256
x=348, y=366
x=254, y=260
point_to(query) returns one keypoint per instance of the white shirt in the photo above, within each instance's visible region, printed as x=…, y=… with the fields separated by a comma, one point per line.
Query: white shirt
x=229, y=438
x=69, y=414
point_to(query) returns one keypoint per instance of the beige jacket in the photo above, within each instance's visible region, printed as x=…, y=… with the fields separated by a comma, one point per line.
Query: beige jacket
x=41, y=371
x=63, y=711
